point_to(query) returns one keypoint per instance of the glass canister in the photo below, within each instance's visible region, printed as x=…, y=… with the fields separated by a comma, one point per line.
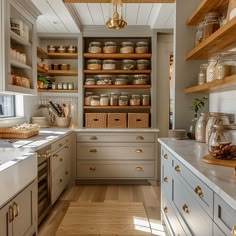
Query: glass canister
x=104, y=100
x=200, y=129
x=109, y=65
x=123, y=100
x=110, y=47
x=114, y=99
x=202, y=74
x=141, y=79
x=128, y=64
x=94, y=64
x=211, y=24
x=95, y=100
x=215, y=118
x=142, y=64
x=199, y=33
x=95, y=47
x=121, y=80
x=126, y=47
x=210, y=72
x=87, y=99
x=141, y=47
x=145, y=99
x=103, y=79
x=90, y=81
x=222, y=142
x=135, y=100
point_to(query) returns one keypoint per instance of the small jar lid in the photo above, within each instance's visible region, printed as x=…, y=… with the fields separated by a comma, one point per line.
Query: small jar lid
x=109, y=61
x=104, y=95
x=128, y=61
x=95, y=61
x=139, y=76
x=142, y=61
x=127, y=43
x=135, y=95
x=103, y=76
x=95, y=43
x=142, y=44
x=110, y=43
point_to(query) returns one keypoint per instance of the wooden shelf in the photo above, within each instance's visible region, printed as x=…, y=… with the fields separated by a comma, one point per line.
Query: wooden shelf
x=62, y=55
x=57, y=91
x=129, y=86
x=117, y=107
x=117, y=71
x=63, y=72
x=117, y=55
x=41, y=70
x=15, y=37
x=41, y=53
x=215, y=43
x=17, y=64
x=226, y=84
x=205, y=7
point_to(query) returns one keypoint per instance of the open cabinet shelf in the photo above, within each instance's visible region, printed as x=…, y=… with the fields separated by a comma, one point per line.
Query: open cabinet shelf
x=117, y=107
x=118, y=55
x=117, y=71
x=129, y=86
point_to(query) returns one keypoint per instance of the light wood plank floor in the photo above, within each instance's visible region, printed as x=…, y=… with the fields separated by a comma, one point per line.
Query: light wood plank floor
x=148, y=194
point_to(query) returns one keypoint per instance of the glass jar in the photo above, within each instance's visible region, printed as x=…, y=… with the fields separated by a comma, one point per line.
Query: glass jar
x=123, y=100
x=128, y=64
x=142, y=64
x=104, y=100
x=199, y=33
x=103, y=79
x=140, y=79
x=109, y=65
x=215, y=118
x=211, y=24
x=94, y=64
x=70, y=85
x=90, y=81
x=126, y=47
x=145, y=99
x=141, y=47
x=200, y=129
x=95, y=100
x=87, y=99
x=114, y=99
x=110, y=47
x=135, y=100
x=210, y=72
x=222, y=142
x=95, y=47
x=65, y=85
x=202, y=74
x=51, y=48
x=59, y=86
x=121, y=80
x=71, y=49
x=61, y=49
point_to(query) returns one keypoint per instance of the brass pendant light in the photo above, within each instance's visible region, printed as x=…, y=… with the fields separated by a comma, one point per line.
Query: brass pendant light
x=116, y=21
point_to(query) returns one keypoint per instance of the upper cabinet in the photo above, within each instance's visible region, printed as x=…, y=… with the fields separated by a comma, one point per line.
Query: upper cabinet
x=18, y=47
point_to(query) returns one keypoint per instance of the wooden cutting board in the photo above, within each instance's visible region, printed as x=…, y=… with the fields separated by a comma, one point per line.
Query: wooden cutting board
x=211, y=160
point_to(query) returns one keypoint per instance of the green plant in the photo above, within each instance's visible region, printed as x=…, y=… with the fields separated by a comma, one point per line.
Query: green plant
x=197, y=104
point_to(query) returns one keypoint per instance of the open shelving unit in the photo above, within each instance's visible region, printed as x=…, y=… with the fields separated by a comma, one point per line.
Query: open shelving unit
x=117, y=55
x=117, y=71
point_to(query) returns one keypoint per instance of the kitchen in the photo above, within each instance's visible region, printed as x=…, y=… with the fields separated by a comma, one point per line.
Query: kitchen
x=91, y=149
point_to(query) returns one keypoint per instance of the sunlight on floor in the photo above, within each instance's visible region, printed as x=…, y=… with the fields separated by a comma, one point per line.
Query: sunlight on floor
x=152, y=226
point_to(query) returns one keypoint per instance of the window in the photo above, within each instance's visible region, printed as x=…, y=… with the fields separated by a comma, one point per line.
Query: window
x=7, y=106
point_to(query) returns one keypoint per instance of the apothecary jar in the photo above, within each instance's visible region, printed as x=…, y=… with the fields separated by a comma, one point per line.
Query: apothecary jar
x=222, y=142
x=200, y=129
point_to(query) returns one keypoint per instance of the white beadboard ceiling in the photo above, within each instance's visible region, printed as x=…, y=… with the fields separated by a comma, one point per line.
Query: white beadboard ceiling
x=58, y=17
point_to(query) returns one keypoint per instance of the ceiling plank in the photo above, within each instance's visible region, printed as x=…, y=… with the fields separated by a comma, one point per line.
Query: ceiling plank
x=124, y=1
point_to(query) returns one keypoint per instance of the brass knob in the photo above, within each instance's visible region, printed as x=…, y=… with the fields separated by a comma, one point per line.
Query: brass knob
x=198, y=191
x=92, y=168
x=165, y=209
x=185, y=208
x=138, y=168
x=60, y=145
x=11, y=214
x=177, y=168
x=93, y=150
x=233, y=231
x=66, y=147
x=55, y=155
x=139, y=138
x=61, y=180
x=61, y=159
x=93, y=138
x=166, y=179
x=139, y=150
x=166, y=156
x=67, y=172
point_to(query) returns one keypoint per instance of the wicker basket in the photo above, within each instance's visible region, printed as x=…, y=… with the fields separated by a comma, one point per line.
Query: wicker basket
x=11, y=132
x=138, y=120
x=116, y=120
x=95, y=120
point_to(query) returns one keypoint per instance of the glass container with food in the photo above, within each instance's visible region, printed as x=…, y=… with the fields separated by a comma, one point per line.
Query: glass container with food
x=51, y=48
x=121, y=80
x=123, y=100
x=142, y=64
x=126, y=47
x=90, y=81
x=95, y=47
x=128, y=64
x=211, y=24
x=94, y=64
x=61, y=49
x=95, y=100
x=110, y=47
x=104, y=100
x=135, y=100
x=145, y=99
x=109, y=65
x=141, y=79
x=141, y=47
x=103, y=79
x=114, y=99
x=87, y=99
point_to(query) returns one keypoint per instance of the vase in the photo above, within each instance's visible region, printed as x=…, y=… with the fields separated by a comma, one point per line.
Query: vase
x=192, y=126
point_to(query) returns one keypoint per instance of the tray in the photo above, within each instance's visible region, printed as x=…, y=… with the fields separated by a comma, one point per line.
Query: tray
x=211, y=160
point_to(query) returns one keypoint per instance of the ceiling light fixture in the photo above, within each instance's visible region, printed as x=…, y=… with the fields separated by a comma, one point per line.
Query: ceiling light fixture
x=116, y=20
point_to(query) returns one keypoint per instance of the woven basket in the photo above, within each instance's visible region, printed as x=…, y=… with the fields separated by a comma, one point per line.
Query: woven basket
x=116, y=120
x=95, y=120
x=138, y=120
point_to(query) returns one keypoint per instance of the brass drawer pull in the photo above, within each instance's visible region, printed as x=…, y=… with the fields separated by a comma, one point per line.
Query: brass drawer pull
x=92, y=168
x=61, y=180
x=15, y=209
x=177, y=168
x=11, y=214
x=233, y=231
x=138, y=168
x=166, y=179
x=165, y=209
x=93, y=138
x=93, y=150
x=61, y=160
x=67, y=172
x=139, y=138
x=60, y=145
x=198, y=191
x=139, y=150
x=166, y=156
x=66, y=147
x=55, y=155
x=185, y=208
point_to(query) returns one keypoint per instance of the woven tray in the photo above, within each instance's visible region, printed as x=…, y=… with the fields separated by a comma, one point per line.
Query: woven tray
x=10, y=132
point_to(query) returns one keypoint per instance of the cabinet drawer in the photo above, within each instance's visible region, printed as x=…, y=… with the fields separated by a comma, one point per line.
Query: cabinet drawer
x=196, y=219
x=115, y=151
x=116, y=137
x=113, y=169
x=60, y=143
x=201, y=192
x=58, y=160
x=166, y=157
x=224, y=215
x=166, y=181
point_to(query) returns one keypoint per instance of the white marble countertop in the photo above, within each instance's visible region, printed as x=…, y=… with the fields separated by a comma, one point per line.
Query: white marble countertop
x=220, y=179
x=138, y=130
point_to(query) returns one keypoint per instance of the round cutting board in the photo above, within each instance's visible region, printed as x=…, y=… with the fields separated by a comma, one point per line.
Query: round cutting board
x=214, y=161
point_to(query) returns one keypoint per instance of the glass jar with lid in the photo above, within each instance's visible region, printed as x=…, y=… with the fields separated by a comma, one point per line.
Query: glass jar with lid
x=87, y=99
x=135, y=100
x=211, y=24
x=128, y=64
x=142, y=64
x=95, y=47
x=103, y=79
x=222, y=142
x=90, y=81
x=123, y=100
x=199, y=33
x=127, y=47
x=145, y=99
x=202, y=74
x=114, y=99
x=94, y=64
x=121, y=80
x=110, y=47
x=61, y=49
x=141, y=47
x=140, y=79
x=109, y=65
x=215, y=118
x=95, y=100
x=210, y=72
x=104, y=100
x=200, y=129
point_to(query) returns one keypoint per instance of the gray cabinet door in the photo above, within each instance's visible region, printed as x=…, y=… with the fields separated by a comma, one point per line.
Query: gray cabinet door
x=6, y=218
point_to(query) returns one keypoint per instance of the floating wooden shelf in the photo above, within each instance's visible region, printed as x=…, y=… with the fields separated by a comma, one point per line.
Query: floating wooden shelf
x=62, y=55
x=63, y=72
x=117, y=55
x=117, y=107
x=226, y=84
x=17, y=64
x=129, y=86
x=57, y=91
x=215, y=43
x=41, y=70
x=117, y=71
x=15, y=37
